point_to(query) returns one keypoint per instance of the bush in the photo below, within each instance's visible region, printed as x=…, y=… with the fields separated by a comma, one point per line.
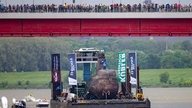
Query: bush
x=188, y=83
x=27, y=83
x=4, y=84
x=49, y=84
x=164, y=77
x=170, y=82
x=181, y=82
x=19, y=83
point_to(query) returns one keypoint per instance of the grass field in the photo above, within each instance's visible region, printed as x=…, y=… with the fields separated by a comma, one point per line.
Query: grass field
x=177, y=77
x=39, y=79
x=148, y=78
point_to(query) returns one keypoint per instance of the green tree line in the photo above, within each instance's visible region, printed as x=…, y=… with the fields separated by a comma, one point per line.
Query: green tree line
x=34, y=54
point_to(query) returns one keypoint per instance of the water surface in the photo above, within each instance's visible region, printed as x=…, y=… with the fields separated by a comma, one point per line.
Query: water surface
x=160, y=97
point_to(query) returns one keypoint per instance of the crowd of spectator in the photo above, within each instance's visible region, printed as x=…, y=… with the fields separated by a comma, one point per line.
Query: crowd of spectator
x=95, y=8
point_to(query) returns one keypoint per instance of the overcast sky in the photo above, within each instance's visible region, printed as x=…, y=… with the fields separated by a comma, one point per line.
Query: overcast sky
x=92, y=1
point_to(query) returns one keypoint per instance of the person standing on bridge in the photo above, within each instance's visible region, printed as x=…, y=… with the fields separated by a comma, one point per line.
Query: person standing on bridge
x=167, y=7
x=65, y=7
x=190, y=7
x=2, y=7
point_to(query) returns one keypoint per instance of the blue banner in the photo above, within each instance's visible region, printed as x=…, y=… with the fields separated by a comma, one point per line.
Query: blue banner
x=133, y=67
x=72, y=69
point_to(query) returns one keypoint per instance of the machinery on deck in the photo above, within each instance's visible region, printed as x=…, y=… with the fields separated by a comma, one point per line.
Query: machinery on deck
x=99, y=89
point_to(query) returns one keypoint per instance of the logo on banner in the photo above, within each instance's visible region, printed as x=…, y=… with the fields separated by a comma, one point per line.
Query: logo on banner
x=58, y=87
x=55, y=76
x=56, y=68
x=72, y=69
x=122, y=67
x=133, y=67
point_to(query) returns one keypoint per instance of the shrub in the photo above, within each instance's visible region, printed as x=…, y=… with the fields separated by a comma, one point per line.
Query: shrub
x=188, y=83
x=164, y=77
x=4, y=84
x=170, y=82
x=49, y=84
x=27, y=82
x=19, y=83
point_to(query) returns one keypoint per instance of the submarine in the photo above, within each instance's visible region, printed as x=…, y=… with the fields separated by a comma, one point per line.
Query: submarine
x=100, y=89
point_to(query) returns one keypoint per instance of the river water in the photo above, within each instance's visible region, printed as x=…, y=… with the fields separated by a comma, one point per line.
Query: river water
x=159, y=97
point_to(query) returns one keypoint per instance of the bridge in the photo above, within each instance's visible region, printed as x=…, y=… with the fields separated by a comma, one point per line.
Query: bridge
x=95, y=24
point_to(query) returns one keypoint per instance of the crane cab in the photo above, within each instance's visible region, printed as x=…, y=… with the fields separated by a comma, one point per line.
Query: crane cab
x=87, y=55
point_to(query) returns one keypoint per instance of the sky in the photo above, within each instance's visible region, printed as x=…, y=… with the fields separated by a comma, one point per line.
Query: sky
x=107, y=2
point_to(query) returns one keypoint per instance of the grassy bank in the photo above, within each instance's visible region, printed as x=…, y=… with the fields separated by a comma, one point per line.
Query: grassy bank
x=177, y=77
x=148, y=78
x=41, y=79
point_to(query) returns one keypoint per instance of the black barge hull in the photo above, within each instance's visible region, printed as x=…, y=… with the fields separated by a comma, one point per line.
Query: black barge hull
x=118, y=103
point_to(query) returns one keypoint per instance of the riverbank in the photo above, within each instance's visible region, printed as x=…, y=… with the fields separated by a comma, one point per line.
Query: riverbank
x=149, y=78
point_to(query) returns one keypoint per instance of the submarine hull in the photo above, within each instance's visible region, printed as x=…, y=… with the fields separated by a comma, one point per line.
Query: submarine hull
x=103, y=85
x=113, y=103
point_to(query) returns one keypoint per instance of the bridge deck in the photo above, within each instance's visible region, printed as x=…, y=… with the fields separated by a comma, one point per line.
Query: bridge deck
x=132, y=15
x=96, y=24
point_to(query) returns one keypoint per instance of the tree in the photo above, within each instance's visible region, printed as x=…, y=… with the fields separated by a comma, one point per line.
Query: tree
x=187, y=45
x=153, y=61
x=164, y=77
x=142, y=59
x=34, y=54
